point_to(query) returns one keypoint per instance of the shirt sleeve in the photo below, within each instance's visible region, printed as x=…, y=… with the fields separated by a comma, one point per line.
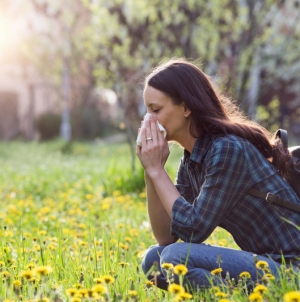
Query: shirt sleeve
x=226, y=179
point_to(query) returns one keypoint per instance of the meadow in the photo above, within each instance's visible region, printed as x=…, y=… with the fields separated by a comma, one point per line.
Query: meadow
x=74, y=227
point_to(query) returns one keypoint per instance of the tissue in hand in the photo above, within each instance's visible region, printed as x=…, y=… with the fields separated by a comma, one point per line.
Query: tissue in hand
x=161, y=128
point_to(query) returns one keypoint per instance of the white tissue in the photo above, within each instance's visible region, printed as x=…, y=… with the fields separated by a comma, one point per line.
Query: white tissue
x=161, y=128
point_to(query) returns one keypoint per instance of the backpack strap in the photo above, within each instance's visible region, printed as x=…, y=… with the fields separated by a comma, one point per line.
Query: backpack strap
x=283, y=135
x=272, y=199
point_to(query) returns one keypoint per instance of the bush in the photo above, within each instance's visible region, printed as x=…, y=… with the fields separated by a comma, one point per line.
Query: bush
x=48, y=125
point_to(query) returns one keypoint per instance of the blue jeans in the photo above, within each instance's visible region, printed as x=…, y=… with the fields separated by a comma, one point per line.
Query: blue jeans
x=200, y=260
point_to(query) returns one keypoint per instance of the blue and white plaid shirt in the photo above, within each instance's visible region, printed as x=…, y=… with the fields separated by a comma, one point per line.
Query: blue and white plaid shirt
x=213, y=182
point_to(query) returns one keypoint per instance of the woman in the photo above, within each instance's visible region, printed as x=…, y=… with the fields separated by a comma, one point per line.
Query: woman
x=225, y=155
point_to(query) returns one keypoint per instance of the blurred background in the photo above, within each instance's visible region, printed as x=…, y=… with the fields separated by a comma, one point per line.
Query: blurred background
x=75, y=68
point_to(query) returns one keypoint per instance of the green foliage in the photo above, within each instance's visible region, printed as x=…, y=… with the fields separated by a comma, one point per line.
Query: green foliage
x=48, y=125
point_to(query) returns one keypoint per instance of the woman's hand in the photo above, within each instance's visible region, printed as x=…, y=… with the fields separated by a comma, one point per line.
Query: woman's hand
x=154, y=152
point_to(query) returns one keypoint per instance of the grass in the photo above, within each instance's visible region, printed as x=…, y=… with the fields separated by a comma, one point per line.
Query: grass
x=71, y=215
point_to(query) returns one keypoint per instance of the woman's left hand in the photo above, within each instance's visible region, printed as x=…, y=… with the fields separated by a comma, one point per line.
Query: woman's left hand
x=154, y=151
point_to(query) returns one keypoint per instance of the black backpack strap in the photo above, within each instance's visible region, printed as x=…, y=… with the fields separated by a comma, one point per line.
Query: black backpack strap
x=283, y=135
x=272, y=199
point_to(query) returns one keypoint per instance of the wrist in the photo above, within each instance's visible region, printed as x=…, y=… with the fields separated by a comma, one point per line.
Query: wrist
x=155, y=173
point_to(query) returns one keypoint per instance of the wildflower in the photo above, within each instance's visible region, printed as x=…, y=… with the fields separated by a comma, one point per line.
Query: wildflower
x=128, y=239
x=175, y=289
x=5, y=274
x=293, y=296
x=17, y=284
x=108, y=279
x=6, y=249
x=43, y=270
x=220, y=294
x=224, y=300
x=27, y=275
x=167, y=266
x=78, y=285
x=262, y=264
x=71, y=292
x=255, y=297
x=75, y=299
x=261, y=289
x=149, y=284
x=185, y=296
x=180, y=269
x=30, y=266
x=123, y=264
x=2, y=264
x=98, y=280
x=245, y=275
x=132, y=293
x=99, y=289
x=214, y=290
x=83, y=293
x=268, y=277
x=216, y=271
x=124, y=246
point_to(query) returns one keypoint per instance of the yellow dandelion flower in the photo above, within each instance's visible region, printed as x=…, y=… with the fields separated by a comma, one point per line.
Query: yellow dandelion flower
x=78, y=285
x=83, y=293
x=261, y=264
x=123, y=264
x=245, y=275
x=180, y=269
x=2, y=263
x=214, y=290
x=99, y=289
x=167, y=266
x=293, y=296
x=132, y=293
x=75, y=299
x=266, y=277
x=128, y=239
x=185, y=296
x=261, y=289
x=221, y=294
x=43, y=270
x=216, y=271
x=6, y=249
x=30, y=266
x=72, y=292
x=175, y=289
x=42, y=300
x=224, y=300
x=5, y=274
x=124, y=246
x=149, y=284
x=108, y=279
x=98, y=280
x=43, y=232
x=17, y=284
x=255, y=297
x=27, y=275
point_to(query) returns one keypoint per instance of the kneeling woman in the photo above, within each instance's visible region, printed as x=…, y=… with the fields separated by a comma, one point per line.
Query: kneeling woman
x=225, y=155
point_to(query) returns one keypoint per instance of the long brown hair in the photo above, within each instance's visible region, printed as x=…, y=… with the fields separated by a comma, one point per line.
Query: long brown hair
x=213, y=112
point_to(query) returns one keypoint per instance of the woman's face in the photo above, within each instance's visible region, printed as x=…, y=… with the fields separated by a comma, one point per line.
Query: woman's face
x=173, y=117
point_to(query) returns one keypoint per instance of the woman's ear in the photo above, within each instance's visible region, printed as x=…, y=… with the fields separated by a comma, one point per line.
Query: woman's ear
x=186, y=111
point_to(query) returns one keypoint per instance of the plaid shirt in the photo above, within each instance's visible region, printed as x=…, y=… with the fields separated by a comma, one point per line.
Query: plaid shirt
x=213, y=182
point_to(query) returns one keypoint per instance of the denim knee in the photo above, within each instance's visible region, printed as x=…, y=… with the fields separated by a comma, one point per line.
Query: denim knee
x=152, y=255
x=175, y=253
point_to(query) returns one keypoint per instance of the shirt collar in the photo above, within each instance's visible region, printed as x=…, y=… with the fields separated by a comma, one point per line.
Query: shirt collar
x=199, y=150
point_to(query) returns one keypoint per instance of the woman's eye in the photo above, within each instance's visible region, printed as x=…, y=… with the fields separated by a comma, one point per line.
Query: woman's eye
x=155, y=110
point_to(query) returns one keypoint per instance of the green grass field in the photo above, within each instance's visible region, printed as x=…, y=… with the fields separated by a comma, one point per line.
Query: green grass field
x=74, y=227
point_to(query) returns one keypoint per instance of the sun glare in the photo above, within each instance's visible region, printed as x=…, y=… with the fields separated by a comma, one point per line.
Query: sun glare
x=9, y=36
